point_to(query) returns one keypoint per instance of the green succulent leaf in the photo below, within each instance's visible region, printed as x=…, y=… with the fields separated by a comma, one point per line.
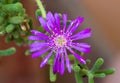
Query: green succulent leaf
x=76, y=68
x=107, y=71
x=38, y=13
x=16, y=20
x=10, y=28
x=101, y=75
x=7, y=52
x=97, y=65
x=27, y=53
x=16, y=7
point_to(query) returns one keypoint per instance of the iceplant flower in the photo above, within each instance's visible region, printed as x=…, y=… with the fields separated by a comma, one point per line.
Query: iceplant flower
x=60, y=40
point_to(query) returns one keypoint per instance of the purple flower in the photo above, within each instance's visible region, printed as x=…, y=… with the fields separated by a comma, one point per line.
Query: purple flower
x=59, y=40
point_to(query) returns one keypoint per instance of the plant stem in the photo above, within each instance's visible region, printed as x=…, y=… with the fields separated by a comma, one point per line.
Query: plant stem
x=78, y=77
x=52, y=75
x=90, y=78
x=41, y=7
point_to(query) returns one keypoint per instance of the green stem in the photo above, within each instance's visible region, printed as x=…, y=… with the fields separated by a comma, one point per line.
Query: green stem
x=41, y=7
x=90, y=78
x=78, y=77
x=52, y=75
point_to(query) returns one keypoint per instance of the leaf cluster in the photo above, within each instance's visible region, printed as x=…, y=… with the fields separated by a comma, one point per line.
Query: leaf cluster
x=14, y=23
x=95, y=72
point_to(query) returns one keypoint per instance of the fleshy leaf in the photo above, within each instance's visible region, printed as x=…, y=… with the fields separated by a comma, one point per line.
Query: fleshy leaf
x=7, y=52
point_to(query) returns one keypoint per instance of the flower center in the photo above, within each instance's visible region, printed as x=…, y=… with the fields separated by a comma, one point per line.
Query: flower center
x=60, y=41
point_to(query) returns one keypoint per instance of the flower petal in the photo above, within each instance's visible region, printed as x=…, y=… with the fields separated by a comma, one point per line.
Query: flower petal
x=36, y=38
x=37, y=33
x=62, y=69
x=37, y=48
x=78, y=23
x=37, y=44
x=57, y=20
x=55, y=65
x=73, y=22
x=39, y=53
x=58, y=64
x=64, y=16
x=81, y=49
x=44, y=24
x=85, y=45
x=82, y=34
x=46, y=59
x=52, y=26
x=67, y=61
x=50, y=17
x=80, y=58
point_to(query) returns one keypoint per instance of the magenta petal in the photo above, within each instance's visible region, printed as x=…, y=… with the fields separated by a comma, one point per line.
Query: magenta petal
x=80, y=58
x=85, y=45
x=51, y=26
x=37, y=44
x=37, y=33
x=78, y=23
x=67, y=61
x=44, y=24
x=71, y=25
x=64, y=22
x=62, y=69
x=57, y=19
x=33, y=49
x=39, y=53
x=36, y=38
x=55, y=65
x=50, y=17
x=82, y=34
x=46, y=59
x=81, y=49
x=58, y=64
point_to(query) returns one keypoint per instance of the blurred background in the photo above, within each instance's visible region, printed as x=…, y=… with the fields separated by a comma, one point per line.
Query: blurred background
x=103, y=16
